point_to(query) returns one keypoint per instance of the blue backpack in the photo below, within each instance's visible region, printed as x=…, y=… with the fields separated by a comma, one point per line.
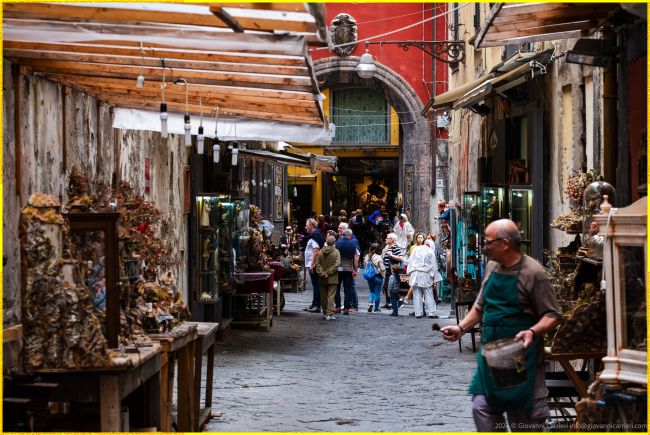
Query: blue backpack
x=369, y=271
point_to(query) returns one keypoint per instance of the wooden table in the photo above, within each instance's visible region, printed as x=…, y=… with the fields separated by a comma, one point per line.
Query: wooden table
x=205, y=345
x=564, y=358
x=108, y=386
x=178, y=344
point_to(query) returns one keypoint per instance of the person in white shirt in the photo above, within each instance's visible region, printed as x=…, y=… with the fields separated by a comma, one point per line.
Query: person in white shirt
x=404, y=232
x=422, y=268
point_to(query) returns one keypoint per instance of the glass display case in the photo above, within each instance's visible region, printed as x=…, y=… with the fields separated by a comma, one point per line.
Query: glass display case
x=492, y=207
x=624, y=260
x=241, y=234
x=520, y=206
x=471, y=235
x=212, y=255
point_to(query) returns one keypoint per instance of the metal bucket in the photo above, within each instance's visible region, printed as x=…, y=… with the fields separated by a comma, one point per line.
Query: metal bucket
x=506, y=361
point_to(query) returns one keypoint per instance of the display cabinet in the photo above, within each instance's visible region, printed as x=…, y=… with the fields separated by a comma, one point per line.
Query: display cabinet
x=241, y=234
x=625, y=264
x=471, y=236
x=94, y=241
x=492, y=207
x=211, y=256
x=520, y=206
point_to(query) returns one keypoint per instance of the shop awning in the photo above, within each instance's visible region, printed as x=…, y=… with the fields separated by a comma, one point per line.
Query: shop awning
x=230, y=128
x=518, y=23
x=311, y=161
x=502, y=77
x=248, y=59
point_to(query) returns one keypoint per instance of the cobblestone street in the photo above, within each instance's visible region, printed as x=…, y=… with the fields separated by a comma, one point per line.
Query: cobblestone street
x=362, y=372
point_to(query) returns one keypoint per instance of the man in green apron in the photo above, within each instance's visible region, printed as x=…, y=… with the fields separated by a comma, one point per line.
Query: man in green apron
x=516, y=300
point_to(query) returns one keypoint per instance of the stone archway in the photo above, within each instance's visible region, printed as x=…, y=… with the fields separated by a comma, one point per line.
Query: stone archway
x=415, y=159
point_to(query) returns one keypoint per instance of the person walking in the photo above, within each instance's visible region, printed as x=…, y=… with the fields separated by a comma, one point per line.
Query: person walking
x=349, y=265
x=376, y=281
x=516, y=300
x=313, y=244
x=393, y=288
x=392, y=255
x=404, y=231
x=327, y=264
x=422, y=268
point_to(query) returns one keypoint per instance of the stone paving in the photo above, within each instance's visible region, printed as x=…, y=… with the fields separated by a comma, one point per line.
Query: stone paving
x=362, y=372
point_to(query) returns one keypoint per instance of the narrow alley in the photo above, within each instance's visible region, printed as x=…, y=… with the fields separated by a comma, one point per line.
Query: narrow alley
x=362, y=372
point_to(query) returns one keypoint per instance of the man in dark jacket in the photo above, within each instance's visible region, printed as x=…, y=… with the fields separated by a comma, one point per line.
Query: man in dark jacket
x=349, y=250
x=315, y=242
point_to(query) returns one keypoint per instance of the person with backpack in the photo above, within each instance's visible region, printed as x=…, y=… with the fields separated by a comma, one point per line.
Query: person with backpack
x=374, y=272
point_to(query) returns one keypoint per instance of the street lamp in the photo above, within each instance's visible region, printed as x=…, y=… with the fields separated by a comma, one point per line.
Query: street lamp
x=454, y=50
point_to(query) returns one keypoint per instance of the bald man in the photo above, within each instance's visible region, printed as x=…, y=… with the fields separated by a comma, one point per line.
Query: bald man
x=516, y=300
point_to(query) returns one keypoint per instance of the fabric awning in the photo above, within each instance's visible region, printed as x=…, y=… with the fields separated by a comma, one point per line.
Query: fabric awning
x=312, y=161
x=502, y=77
x=447, y=99
x=230, y=129
x=518, y=23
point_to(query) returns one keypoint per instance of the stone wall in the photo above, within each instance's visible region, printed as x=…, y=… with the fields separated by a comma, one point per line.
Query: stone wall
x=58, y=128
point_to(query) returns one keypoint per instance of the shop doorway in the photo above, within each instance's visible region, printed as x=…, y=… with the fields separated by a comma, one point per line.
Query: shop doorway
x=363, y=183
x=301, y=205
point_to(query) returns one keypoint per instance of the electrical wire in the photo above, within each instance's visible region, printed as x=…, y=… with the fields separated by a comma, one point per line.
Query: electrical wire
x=392, y=31
x=395, y=17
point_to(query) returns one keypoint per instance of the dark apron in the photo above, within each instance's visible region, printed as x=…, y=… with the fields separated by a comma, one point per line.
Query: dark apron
x=503, y=318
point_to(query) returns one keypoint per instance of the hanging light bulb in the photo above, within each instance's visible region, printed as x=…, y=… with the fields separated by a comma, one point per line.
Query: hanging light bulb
x=216, y=148
x=233, y=160
x=163, y=106
x=163, y=119
x=215, y=152
x=234, y=156
x=188, y=133
x=139, y=82
x=200, y=138
x=188, y=125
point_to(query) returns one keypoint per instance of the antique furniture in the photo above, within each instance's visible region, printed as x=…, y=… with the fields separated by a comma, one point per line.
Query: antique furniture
x=253, y=303
x=177, y=345
x=205, y=345
x=624, y=260
x=95, y=239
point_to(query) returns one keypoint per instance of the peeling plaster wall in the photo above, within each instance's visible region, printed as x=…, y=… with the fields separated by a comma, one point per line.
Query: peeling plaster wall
x=60, y=128
x=565, y=139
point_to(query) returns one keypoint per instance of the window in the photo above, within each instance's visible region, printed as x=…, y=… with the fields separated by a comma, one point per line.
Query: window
x=361, y=116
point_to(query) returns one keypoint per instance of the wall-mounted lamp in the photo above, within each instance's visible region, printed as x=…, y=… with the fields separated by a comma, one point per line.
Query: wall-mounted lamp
x=366, y=67
x=454, y=50
x=186, y=118
x=139, y=82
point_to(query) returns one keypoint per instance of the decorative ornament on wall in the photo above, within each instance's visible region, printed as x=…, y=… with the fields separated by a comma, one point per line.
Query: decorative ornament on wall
x=343, y=30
